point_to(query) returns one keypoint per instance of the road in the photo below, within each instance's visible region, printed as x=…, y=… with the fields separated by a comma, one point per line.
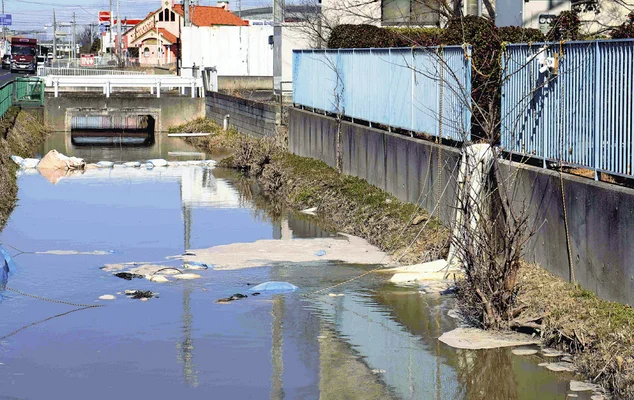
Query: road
x=6, y=76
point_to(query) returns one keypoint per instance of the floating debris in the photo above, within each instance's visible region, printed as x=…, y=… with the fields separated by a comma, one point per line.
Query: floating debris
x=157, y=278
x=524, y=352
x=195, y=265
x=546, y=352
x=132, y=164
x=140, y=294
x=559, y=366
x=107, y=297
x=335, y=294
x=128, y=276
x=475, y=339
x=105, y=164
x=236, y=296
x=186, y=276
x=158, y=162
x=578, y=386
x=273, y=286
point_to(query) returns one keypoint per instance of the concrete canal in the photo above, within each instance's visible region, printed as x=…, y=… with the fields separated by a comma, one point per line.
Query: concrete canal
x=367, y=339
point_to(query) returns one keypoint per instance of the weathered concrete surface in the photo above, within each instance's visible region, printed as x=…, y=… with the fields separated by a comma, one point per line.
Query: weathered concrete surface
x=247, y=116
x=600, y=221
x=413, y=170
x=600, y=215
x=168, y=110
x=245, y=82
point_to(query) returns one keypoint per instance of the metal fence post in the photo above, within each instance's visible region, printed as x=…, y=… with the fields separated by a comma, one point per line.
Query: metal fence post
x=412, y=96
x=597, y=103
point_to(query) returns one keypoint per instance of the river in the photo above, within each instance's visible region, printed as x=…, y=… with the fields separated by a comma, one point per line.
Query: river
x=377, y=341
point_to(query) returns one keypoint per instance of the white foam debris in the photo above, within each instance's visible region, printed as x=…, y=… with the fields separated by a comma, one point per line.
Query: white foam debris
x=157, y=278
x=347, y=249
x=105, y=164
x=578, y=386
x=475, y=339
x=524, y=352
x=186, y=276
x=158, y=162
x=132, y=164
x=107, y=297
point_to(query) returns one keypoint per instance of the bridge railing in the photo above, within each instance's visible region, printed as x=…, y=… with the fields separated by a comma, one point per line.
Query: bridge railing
x=578, y=114
x=155, y=83
x=63, y=71
x=415, y=89
x=21, y=91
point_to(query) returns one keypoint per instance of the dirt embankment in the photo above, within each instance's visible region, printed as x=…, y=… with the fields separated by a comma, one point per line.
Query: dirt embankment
x=344, y=203
x=21, y=133
x=599, y=333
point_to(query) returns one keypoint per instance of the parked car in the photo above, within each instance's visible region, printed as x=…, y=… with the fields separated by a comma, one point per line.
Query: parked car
x=6, y=61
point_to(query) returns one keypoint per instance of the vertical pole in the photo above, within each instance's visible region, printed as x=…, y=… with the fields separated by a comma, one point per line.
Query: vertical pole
x=54, y=40
x=110, y=30
x=74, y=49
x=158, y=88
x=119, y=41
x=597, y=106
x=194, y=88
x=278, y=19
x=412, y=95
x=56, y=83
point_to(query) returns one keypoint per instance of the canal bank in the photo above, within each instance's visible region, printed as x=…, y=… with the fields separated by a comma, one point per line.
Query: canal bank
x=21, y=133
x=598, y=332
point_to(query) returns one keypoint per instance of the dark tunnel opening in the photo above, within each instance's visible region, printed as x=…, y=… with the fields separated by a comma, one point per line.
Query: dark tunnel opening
x=113, y=130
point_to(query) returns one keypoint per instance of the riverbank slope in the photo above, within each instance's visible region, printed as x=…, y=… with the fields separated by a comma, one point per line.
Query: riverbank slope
x=21, y=132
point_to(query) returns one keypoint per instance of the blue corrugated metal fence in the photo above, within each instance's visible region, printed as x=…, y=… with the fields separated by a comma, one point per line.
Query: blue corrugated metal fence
x=581, y=116
x=417, y=89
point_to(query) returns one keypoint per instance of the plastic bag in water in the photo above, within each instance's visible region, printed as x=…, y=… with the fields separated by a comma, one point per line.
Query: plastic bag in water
x=273, y=286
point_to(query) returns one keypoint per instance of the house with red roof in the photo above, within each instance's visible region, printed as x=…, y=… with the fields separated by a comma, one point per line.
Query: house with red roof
x=157, y=37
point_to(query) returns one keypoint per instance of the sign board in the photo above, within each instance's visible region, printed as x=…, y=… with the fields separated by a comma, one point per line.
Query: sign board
x=87, y=60
x=545, y=21
x=5, y=19
x=104, y=16
x=142, y=28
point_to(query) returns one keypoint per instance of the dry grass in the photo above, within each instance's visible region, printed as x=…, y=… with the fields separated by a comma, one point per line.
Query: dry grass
x=21, y=134
x=600, y=333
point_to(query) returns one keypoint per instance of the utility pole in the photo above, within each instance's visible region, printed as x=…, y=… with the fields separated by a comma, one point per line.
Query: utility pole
x=111, y=27
x=4, y=29
x=54, y=39
x=119, y=41
x=74, y=50
x=278, y=19
x=186, y=12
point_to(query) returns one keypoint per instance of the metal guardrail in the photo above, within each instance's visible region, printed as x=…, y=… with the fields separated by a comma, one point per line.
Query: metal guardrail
x=416, y=89
x=63, y=71
x=582, y=114
x=21, y=91
x=108, y=82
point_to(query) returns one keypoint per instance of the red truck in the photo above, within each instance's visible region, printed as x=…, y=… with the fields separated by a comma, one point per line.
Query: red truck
x=23, y=55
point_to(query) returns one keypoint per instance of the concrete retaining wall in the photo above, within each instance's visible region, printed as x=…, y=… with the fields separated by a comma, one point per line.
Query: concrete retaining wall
x=413, y=170
x=600, y=215
x=167, y=110
x=247, y=116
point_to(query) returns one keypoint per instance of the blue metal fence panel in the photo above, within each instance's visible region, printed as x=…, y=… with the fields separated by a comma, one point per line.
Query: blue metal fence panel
x=580, y=116
x=417, y=89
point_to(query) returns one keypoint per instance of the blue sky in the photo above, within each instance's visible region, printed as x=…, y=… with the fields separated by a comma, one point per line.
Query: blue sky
x=35, y=14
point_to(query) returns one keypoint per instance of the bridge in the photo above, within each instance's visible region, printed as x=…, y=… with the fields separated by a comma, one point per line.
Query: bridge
x=85, y=101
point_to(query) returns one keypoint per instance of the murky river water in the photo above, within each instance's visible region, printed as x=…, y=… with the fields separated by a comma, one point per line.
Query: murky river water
x=377, y=341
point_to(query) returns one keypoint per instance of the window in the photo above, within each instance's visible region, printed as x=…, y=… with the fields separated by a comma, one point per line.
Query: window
x=146, y=52
x=160, y=16
x=409, y=12
x=172, y=16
